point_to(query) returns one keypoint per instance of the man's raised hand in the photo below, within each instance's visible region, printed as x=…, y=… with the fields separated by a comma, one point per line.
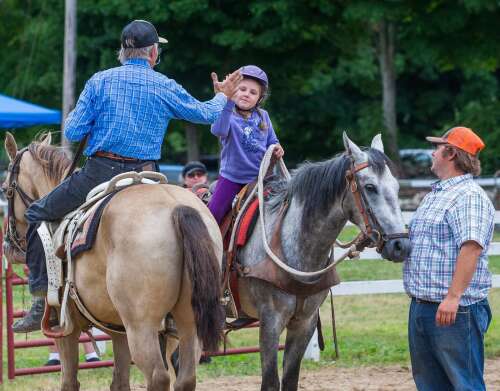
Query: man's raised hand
x=230, y=84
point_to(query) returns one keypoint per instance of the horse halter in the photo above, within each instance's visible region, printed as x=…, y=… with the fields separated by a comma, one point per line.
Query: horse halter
x=13, y=187
x=372, y=224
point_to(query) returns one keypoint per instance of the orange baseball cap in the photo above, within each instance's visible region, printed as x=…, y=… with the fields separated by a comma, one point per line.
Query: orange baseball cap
x=460, y=137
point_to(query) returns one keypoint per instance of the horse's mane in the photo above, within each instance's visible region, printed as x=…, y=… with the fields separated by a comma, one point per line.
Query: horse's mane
x=53, y=159
x=317, y=186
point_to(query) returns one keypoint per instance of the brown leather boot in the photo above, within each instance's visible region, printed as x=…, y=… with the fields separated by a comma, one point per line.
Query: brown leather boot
x=32, y=320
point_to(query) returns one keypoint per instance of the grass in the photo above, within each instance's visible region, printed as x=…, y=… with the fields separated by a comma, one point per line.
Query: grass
x=371, y=329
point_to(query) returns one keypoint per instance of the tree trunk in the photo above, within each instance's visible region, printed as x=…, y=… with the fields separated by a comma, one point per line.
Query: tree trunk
x=193, y=149
x=386, y=35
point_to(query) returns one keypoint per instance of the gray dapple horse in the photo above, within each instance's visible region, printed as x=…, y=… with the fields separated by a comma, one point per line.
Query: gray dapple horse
x=158, y=250
x=319, y=205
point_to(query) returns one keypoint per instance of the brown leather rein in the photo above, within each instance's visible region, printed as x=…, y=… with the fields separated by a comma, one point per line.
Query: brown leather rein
x=13, y=187
x=372, y=224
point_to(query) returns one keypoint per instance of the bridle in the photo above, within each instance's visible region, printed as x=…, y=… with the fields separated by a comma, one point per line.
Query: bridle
x=13, y=187
x=12, y=235
x=374, y=233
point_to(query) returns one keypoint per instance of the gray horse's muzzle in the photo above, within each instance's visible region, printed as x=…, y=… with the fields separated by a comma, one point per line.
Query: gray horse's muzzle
x=397, y=250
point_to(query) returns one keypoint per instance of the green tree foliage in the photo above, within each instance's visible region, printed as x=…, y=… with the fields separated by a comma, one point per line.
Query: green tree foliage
x=320, y=55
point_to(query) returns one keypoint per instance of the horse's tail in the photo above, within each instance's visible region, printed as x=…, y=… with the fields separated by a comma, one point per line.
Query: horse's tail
x=204, y=271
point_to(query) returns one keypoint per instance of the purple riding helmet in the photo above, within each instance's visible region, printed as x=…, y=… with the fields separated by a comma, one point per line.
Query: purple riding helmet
x=254, y=72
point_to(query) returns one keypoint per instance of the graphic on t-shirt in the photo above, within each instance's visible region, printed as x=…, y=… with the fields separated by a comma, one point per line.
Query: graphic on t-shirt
x=249, y=142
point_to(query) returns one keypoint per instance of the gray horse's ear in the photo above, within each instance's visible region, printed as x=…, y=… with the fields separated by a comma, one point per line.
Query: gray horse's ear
x=10, y=145
x=358, y=155
x=47, y=139
x=377, y=143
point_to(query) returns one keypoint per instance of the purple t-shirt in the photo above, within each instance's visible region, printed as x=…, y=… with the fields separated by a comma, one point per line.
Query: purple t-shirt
x=244, y=143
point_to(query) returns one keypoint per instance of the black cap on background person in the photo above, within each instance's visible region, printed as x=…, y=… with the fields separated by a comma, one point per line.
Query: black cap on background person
x=192, y=167
x=194, y=173
x=140, y=34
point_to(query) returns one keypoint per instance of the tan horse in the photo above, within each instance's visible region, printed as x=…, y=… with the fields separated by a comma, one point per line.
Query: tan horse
x=158, y=251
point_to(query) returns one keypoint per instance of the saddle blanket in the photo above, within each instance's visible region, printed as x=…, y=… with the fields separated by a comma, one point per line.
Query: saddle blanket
x=85, y=238
x=247, y=223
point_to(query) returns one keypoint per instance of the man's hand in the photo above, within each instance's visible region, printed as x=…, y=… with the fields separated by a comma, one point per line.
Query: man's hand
x=447, y=311
x=216, y=82
x=278, y=151
x=466, y=266
x=230, y=84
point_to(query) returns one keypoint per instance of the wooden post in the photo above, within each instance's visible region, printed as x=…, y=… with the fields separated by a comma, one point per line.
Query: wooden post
x=69, y=66
x=386, y=55
x=193, y=148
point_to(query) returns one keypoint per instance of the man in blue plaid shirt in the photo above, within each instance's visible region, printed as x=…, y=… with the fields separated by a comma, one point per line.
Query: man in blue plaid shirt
x=124, y=113
x=446, y=274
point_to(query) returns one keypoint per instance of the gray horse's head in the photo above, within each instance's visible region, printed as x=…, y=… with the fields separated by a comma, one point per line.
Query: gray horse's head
x=379, y=192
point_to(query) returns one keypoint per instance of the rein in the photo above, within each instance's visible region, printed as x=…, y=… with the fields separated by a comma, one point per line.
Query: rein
x=12, y=188
x=352, y=252
x=363, y=240
x=77, y=156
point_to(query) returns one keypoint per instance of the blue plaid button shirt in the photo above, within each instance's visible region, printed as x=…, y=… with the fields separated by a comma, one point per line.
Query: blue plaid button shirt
x=126, y=110
x=455, y=211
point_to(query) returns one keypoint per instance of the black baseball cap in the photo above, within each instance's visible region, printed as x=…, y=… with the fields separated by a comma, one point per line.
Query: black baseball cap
x=140, y=34
x=193, y=167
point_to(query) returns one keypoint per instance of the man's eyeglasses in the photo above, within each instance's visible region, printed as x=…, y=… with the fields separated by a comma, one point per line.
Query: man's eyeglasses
x=158, y=59
x=195, y=174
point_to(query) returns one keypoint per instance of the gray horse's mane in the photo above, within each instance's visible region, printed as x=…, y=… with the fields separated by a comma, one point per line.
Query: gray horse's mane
x=317, y=186
x=52, y=158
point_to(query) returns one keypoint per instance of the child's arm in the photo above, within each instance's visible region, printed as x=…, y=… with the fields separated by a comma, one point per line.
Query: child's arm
x=272, y=139
x=221, y=126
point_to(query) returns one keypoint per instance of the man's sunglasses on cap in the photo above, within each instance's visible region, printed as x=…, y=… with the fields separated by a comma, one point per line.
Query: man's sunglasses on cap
x=195, y=174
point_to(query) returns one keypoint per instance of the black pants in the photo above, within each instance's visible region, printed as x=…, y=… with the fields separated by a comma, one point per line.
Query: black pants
x=68, y=196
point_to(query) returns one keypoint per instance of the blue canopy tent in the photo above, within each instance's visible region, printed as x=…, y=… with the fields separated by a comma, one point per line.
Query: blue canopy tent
x=15, y=113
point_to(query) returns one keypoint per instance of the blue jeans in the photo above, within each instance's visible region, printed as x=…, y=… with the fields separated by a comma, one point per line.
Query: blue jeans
x=452, y=357
x=67, y=196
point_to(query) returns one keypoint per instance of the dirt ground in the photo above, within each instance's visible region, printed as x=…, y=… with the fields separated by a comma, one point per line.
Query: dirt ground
x=394, y=378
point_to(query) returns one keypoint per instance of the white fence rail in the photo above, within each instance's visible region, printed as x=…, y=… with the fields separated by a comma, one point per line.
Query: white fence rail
x=422, y=183
x=381, y=286
x=371, y=253
x=409, y=214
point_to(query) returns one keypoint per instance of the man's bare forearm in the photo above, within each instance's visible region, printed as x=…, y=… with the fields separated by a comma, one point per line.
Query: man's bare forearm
x=466, y=266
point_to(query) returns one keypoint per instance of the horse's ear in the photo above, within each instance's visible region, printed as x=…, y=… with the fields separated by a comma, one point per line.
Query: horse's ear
x=351, y=148
x=10, y=145
x=47, y=139
x=377, y=143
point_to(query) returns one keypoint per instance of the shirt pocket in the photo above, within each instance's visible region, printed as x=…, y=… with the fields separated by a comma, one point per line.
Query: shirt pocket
x=430, y=223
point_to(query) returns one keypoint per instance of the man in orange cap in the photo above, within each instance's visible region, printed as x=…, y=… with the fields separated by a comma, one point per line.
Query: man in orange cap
x=446, y=274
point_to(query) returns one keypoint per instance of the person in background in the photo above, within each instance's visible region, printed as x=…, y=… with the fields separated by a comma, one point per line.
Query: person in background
x=194, y=173
x=245, y=132
x=446, y=274
x=88, y=348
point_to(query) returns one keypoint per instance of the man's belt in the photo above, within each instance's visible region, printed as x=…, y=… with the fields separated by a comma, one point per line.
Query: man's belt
x=420, y=301
x=114, y=156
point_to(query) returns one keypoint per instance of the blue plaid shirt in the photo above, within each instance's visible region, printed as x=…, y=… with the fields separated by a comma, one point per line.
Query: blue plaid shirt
x=455, y=211
x=126, y=110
